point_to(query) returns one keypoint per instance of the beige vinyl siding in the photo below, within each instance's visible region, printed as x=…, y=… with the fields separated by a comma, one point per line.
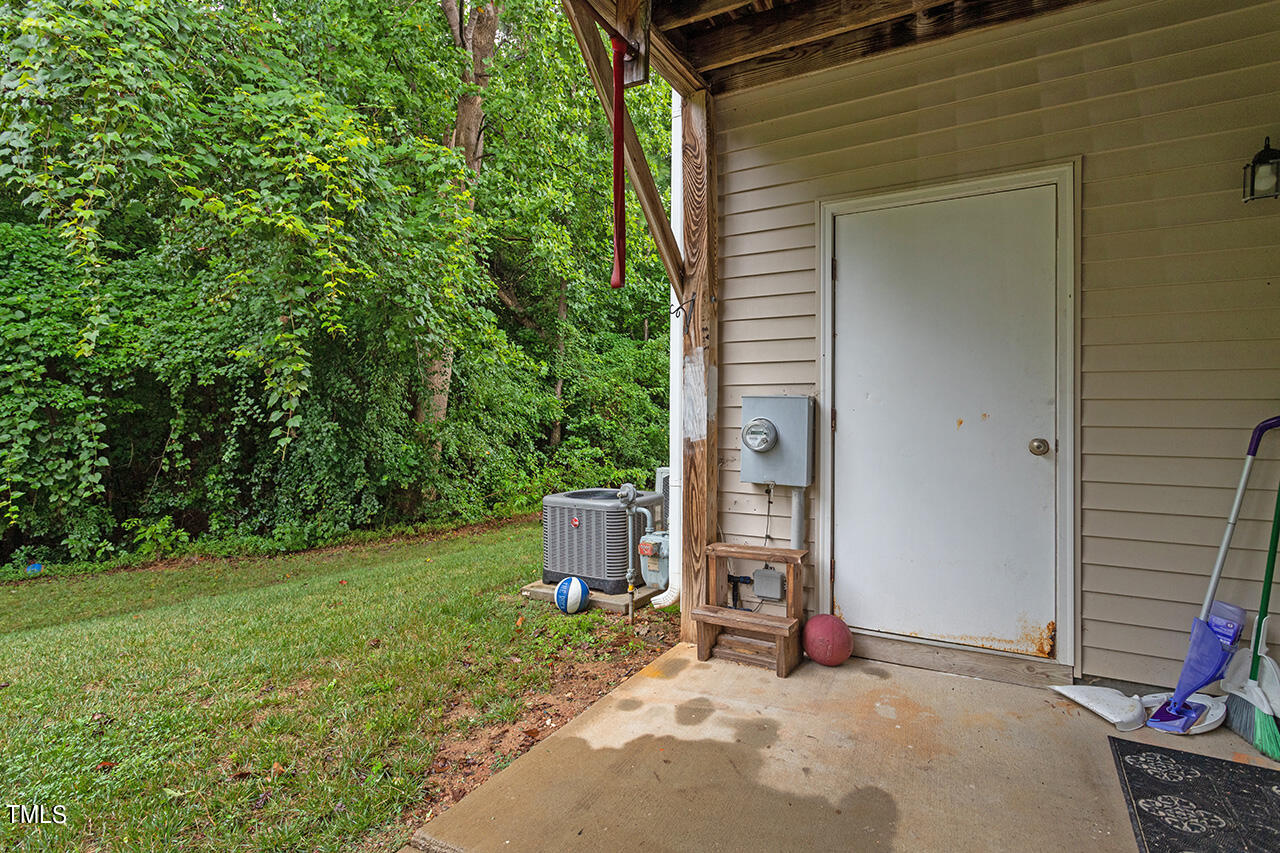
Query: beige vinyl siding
x=1179, y=294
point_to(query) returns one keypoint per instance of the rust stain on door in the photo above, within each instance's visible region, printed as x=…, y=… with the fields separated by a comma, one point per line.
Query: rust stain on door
x=1046, y=640
x=1036, y=640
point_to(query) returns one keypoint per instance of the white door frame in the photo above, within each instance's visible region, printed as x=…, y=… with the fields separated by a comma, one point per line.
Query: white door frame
x=1063, y=177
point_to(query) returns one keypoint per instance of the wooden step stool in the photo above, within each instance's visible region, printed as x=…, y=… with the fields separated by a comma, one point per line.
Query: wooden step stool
x=759, y=639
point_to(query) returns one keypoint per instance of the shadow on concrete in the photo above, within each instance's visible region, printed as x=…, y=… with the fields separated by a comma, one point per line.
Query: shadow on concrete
x=665, y=793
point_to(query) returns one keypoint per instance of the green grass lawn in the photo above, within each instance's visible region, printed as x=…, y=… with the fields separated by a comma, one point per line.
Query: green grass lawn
x=269, y=704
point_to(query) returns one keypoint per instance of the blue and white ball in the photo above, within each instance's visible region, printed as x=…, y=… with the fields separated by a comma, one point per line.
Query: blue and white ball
x=572, y=595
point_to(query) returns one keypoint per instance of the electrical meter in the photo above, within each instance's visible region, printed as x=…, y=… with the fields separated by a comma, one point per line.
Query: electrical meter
x=777, y=440
x=760, y=435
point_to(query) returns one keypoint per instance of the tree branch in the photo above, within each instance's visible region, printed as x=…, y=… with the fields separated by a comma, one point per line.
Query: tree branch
x=518, y=310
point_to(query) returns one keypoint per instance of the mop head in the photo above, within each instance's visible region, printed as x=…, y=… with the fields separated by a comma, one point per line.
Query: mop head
x=1206, y=660
x=1254, y=725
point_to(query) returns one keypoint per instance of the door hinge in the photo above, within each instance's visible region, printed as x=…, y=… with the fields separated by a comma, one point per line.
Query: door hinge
x=833, y=573
x=833, y=420
x=833, y=267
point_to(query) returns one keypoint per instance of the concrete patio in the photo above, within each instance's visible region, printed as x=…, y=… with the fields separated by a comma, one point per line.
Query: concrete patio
x=869, y=756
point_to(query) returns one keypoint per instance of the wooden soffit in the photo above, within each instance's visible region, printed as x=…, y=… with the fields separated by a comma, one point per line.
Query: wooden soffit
x=725, y=45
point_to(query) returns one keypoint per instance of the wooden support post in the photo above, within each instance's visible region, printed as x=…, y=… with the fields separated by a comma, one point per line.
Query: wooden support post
x=632, y=23
x=789, y=648
x=705, y=632
x=701, y=358
x=599, y=65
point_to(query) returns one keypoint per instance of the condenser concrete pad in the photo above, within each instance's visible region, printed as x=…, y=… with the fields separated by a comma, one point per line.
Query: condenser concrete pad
x=614, y=603
x=688, y=755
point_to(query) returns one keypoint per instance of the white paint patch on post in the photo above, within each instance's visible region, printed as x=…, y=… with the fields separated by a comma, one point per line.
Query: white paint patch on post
x=695, y=396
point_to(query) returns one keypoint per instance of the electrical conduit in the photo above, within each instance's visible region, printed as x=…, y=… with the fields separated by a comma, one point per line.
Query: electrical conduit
x=797, y=517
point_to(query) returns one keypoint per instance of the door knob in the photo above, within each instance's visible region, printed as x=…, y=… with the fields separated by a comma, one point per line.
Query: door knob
x=1038, y=446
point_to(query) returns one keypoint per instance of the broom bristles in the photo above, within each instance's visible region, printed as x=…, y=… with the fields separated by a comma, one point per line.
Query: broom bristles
x=1266, y=736
x=1254, y=725
x=1241, y=716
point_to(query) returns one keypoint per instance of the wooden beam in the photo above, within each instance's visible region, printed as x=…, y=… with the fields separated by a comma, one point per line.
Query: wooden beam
x=701, y=358
x=680, y=12
x=974, y=663
x=670, y=62
x=938, y=21
x=759, y=554
x=789, y=26
x=598, y=63
x=674, y=66
x=633, y=25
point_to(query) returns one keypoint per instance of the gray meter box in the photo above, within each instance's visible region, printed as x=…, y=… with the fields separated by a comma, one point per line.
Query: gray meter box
x=781, y=430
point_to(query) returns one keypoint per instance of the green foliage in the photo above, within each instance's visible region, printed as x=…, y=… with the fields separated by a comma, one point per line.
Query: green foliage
x=57, y=409
x=233, y=252
x=158, y=539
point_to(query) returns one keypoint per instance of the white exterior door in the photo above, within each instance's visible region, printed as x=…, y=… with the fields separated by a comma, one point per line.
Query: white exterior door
x=944, y=371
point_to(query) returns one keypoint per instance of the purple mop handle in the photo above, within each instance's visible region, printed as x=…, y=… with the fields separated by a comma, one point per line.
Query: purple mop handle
x=1254, y=441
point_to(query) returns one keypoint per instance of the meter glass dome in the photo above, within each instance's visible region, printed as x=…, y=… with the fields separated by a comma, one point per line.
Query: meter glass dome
x=760, y=435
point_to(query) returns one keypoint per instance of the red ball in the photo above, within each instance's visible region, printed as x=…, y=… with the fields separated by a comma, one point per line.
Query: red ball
x=827, y=640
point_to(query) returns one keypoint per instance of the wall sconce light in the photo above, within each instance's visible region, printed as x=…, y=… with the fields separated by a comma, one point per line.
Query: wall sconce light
x=1260, y=174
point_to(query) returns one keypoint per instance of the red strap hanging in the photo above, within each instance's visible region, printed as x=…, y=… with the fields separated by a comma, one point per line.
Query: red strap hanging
x=619, y=202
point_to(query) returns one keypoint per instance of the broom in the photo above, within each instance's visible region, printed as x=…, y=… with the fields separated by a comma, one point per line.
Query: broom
x=1248, y=718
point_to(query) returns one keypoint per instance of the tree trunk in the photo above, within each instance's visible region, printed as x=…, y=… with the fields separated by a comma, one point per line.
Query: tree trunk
x=478, y=37
x=430, y=400
x=435, y=379
x=439, y=375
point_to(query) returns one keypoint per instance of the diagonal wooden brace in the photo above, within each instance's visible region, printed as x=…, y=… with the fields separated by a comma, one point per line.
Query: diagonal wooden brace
x=596, y=55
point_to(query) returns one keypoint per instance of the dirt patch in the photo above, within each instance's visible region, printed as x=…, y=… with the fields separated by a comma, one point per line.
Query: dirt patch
x=470, y=757
x=666, y=669
x=299, y=688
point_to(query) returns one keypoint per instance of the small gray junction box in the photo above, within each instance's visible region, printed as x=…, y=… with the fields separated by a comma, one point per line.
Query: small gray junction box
x=777, y=440
x=768, y=584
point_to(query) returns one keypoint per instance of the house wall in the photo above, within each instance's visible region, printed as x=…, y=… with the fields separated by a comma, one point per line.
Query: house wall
x=1179, y=328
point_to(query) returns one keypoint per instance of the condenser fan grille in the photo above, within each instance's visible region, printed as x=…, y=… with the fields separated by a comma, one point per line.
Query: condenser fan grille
x=584, y=535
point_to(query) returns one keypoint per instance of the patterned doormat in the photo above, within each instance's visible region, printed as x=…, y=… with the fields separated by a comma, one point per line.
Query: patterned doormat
x=1180, y=802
